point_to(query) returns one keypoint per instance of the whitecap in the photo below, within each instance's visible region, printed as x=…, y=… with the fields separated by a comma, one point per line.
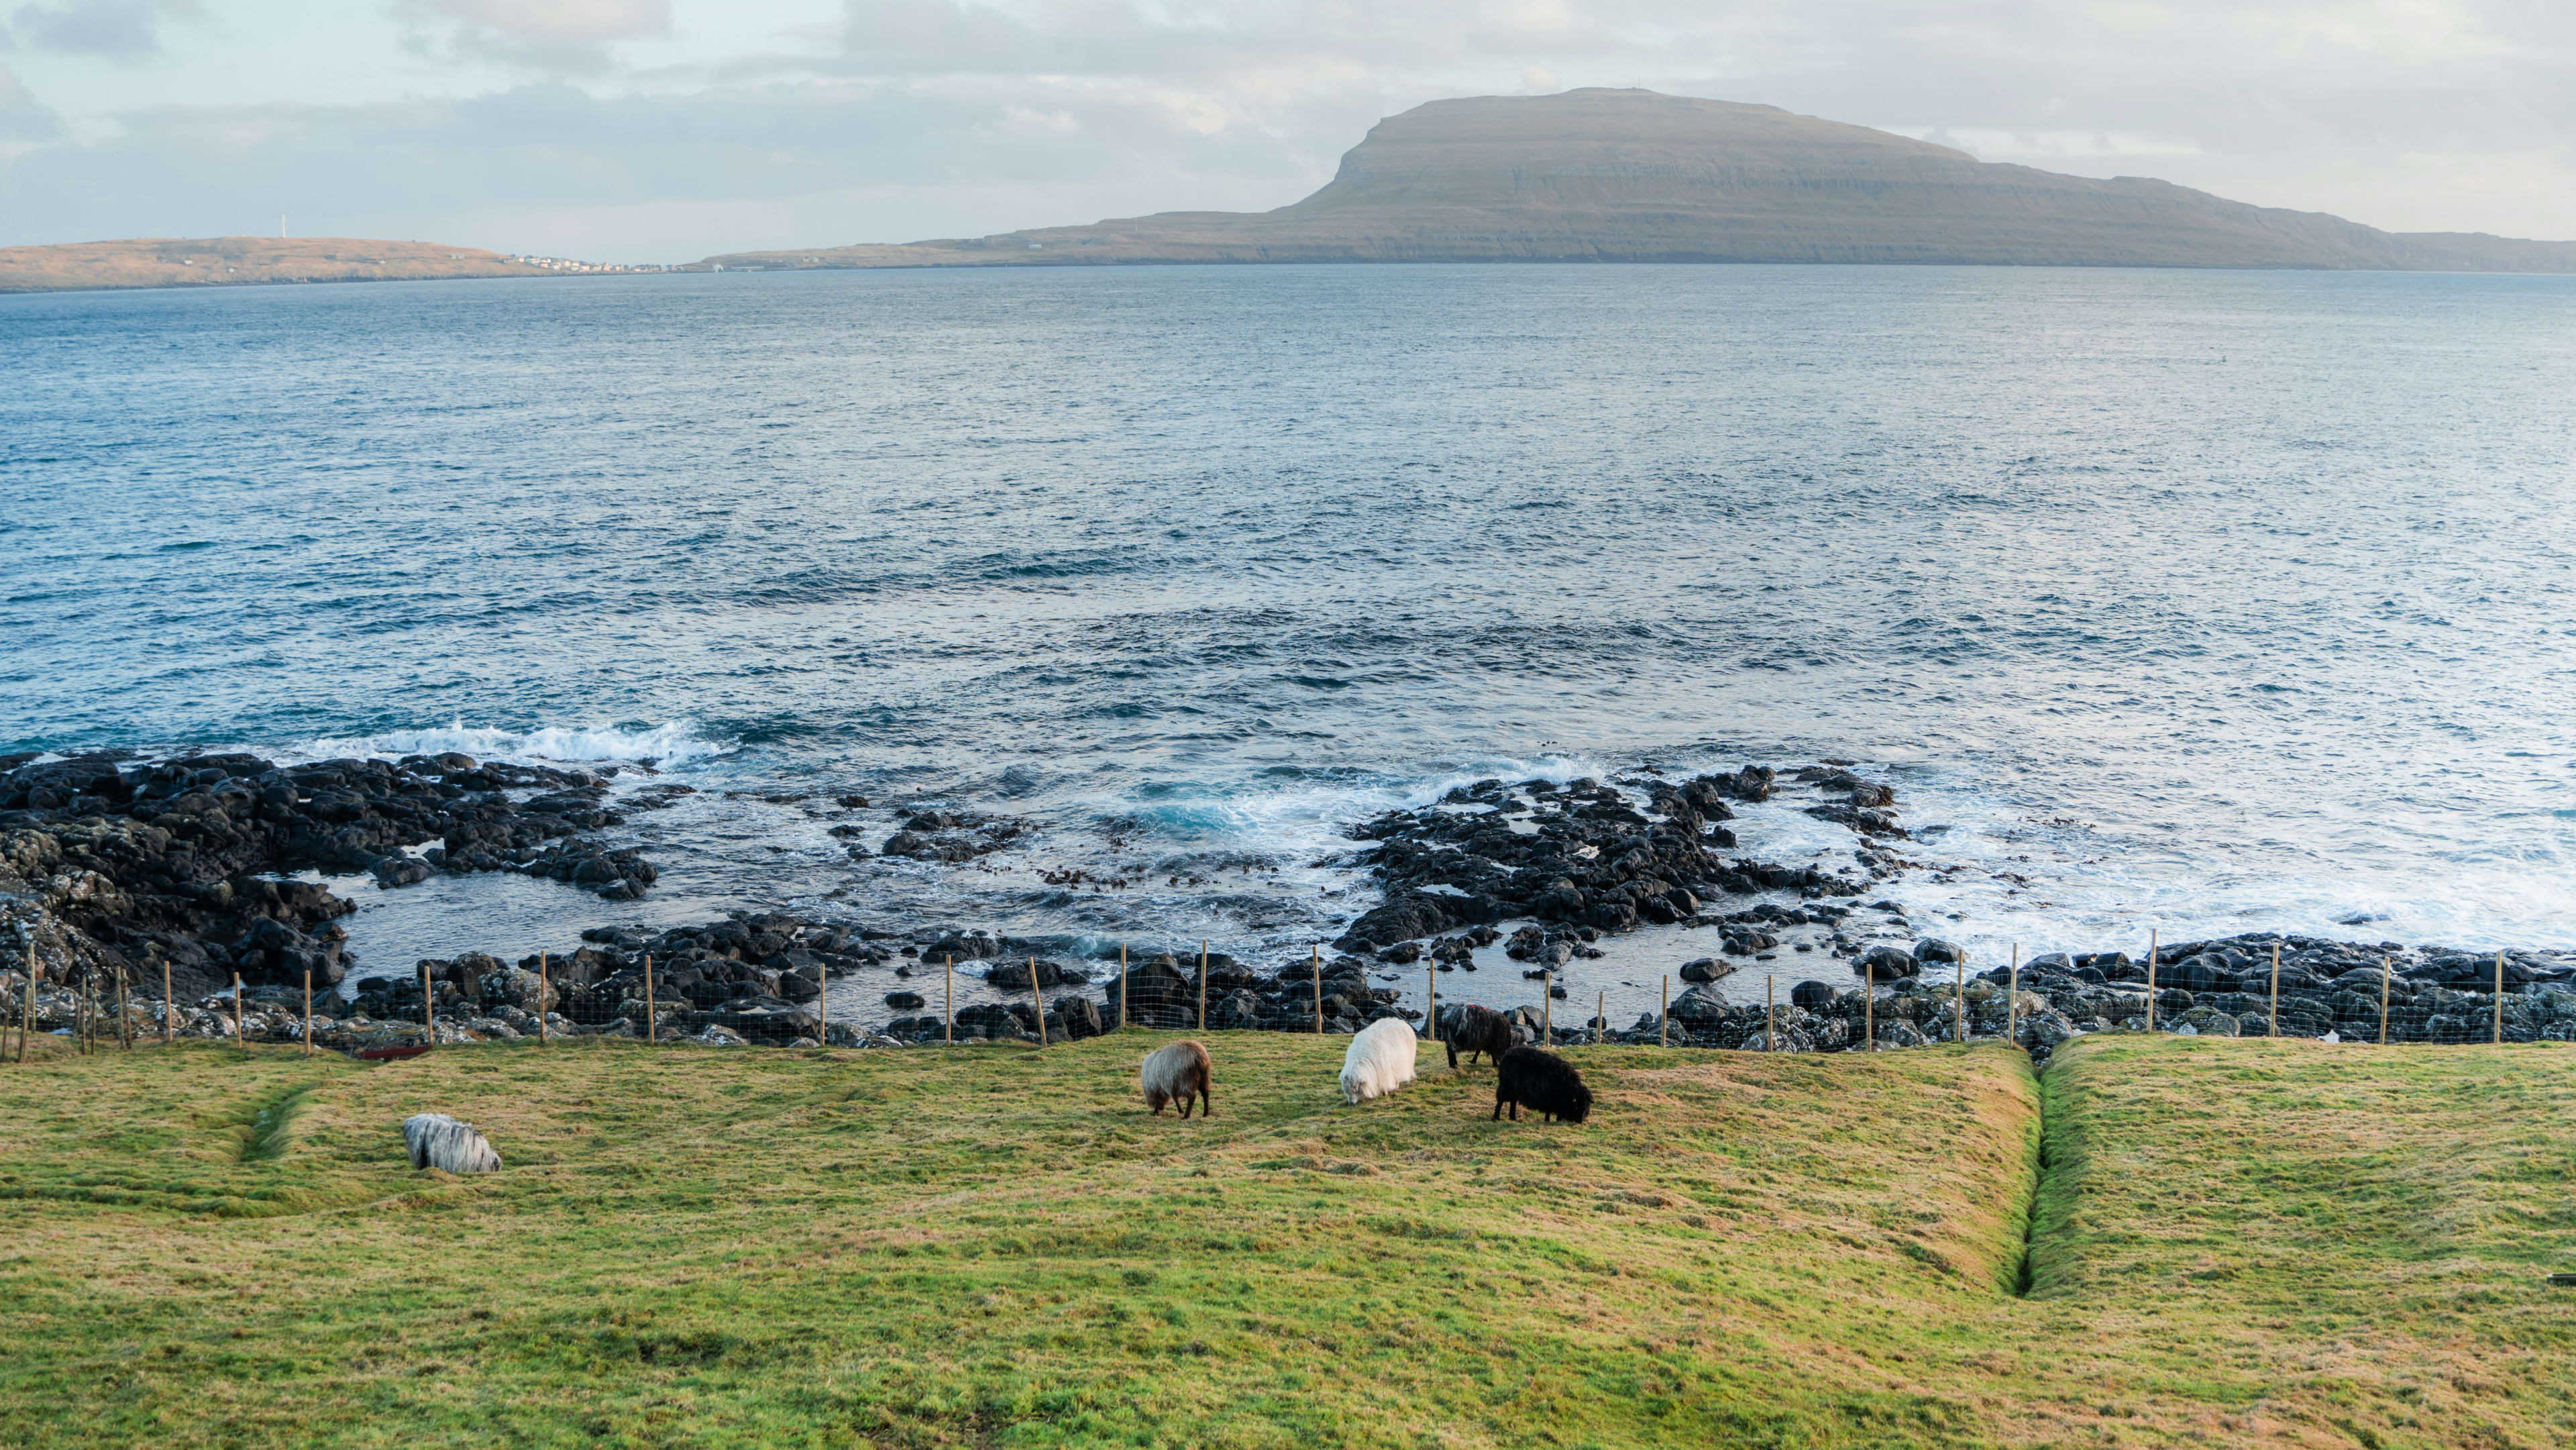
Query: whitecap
x=674, y=743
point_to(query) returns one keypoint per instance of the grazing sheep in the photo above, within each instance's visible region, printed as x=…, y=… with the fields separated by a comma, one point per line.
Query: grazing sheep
x=1542, y=1082
x=439, y=1141
x=1379, y=1061
x=1177, y=1073
x=1473, y=1029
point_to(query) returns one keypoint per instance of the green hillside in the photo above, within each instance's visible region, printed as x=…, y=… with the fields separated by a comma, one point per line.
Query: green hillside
x=2239, y=1242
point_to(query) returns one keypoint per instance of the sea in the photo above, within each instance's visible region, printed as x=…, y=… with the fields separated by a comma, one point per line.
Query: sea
x=2187, y=602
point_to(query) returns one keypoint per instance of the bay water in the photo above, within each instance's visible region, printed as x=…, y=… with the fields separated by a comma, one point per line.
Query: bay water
x=2194, y=601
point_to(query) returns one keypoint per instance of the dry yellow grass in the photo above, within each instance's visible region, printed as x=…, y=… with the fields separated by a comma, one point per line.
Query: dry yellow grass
x=223, y=261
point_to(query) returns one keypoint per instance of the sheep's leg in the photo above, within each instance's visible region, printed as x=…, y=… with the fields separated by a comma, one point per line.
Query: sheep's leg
x=1207, y=1105
x=1498, y=1107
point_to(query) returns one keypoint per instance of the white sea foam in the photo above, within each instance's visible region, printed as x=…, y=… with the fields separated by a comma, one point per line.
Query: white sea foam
x=675, y=743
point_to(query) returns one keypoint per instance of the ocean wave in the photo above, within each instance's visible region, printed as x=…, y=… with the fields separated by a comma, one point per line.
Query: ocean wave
x=666, y=745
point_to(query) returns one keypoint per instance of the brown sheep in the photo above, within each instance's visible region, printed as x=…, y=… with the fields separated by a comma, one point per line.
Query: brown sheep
x=1177, y=1073
x=1472, y=1029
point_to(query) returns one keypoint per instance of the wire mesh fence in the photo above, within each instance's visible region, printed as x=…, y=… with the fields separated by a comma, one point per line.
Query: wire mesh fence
x=2285, y=987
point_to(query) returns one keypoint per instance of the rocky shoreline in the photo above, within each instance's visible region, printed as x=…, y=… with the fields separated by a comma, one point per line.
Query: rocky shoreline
x=115, y=869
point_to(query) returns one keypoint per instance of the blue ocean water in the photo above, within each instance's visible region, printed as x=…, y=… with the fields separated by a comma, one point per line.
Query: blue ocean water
x=2205, y=602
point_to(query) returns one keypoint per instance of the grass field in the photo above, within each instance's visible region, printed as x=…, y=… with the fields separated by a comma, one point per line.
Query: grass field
x=2237, y=1242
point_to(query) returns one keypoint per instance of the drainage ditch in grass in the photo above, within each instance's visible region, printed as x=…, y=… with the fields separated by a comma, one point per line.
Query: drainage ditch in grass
x=264, y=1132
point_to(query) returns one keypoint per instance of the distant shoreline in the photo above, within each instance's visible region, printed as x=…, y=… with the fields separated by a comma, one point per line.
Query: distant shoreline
x=157, y=263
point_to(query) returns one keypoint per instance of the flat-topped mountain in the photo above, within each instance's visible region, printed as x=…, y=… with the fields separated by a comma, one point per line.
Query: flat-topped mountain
x=1634, y=176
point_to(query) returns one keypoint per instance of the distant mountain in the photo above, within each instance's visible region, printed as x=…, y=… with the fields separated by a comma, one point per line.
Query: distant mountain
x=222, y=261
x=1634, y=176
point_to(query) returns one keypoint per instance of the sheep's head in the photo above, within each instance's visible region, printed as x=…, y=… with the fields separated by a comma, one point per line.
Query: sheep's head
x=1578, y=1104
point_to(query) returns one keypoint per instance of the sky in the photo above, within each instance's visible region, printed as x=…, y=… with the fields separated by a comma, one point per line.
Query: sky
x=668, y=130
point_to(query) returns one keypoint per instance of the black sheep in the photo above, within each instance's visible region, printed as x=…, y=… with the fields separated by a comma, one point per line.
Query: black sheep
x=1473, y=1029
x=1542, y=1082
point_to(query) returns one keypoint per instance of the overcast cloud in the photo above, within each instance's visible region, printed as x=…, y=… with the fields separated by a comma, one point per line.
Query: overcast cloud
x=654, y=130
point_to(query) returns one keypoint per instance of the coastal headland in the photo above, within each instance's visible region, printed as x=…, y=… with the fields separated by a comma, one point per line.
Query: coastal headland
x=239, y=261
x=1601, y=175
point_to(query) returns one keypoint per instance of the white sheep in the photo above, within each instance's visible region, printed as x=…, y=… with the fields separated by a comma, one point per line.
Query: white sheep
x=1379, y=1061
x=1175, y=1073
x=439, y=1141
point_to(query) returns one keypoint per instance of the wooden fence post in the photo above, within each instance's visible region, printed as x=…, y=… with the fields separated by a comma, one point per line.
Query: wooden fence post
x=1122, y=985
x=2276, y=989
x=124, y=1013
x=1601, y=1016
x=1547, y=1009
x=545, y=989
x=1203, y=946
x=1318, y=964
x=1959, y=995
x=308, y=1011
x=169, y=1009
x=1431, y=1000
x=1664, y=1017
x=238, y=1039
x=2499, y=1000
x=948, y=1002
x=1869, y=1004
x=2151, y=980
x=2012, y=999
x=428, y=1007
x=2383, y=1001
x=823, y=1004
x=652, y=1019
x=1041, y=1003
x=27, y=1006
x=1770, y=1013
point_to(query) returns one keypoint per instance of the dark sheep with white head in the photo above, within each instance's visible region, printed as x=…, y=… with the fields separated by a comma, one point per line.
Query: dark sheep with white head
x=1472, y=1029
x=1542, y=1082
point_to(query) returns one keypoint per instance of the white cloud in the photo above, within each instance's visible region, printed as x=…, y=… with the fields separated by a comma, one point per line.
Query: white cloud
x=121, y=30
x=576, y=20
x=23, y=118
x=557, y=36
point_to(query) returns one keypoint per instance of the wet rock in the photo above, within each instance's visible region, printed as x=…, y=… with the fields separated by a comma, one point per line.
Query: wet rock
x=1698, y=1008
x=2209, y=1022
x=1076, y=1018
x=1888, y=963
x=1015, y=974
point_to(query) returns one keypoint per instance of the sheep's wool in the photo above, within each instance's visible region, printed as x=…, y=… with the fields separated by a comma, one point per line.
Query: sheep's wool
x=439, y=1141
x=1171, y=1073
x=1379, y=1061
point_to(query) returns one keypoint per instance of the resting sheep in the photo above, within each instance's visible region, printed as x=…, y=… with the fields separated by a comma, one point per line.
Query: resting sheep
x=1542, y=1082
x=439, y=1141
x=1473, y=1029
x=1177, y=1073
x=1379, y=1061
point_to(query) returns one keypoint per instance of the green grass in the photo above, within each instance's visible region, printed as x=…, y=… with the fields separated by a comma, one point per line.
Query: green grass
x=2236, y=1242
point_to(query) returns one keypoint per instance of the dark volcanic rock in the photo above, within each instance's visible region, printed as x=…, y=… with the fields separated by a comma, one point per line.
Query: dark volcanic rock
x=1582, y=853
x=134, y=864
